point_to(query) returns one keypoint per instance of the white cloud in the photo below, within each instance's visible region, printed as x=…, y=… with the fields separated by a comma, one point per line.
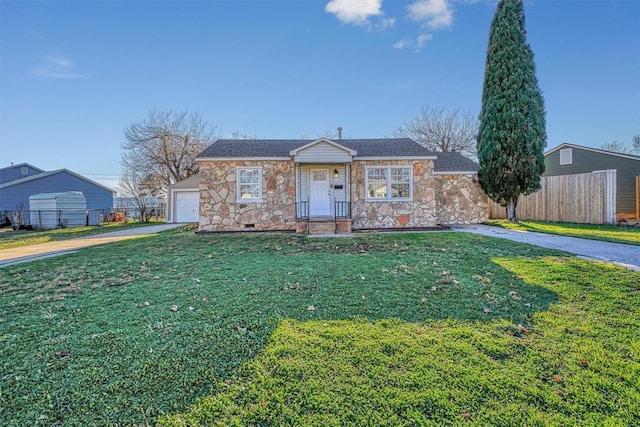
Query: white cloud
x=57, y=67
x=417, y=43
x=383, y=24
x=401, y=44
x=422, y=39
x=355, y=12
x=434, y=14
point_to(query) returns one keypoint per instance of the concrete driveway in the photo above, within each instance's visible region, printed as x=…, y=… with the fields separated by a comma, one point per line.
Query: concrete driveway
x=49, y=249
x=615, y=253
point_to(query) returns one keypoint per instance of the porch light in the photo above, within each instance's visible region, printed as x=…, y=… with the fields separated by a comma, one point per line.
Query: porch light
x=335, y=173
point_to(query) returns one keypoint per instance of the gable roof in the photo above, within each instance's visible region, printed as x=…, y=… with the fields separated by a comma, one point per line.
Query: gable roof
x=46, y=174
x=187, y=183
x=281, y=148
x=323, y=140
x=595, y=150
x=19, y=165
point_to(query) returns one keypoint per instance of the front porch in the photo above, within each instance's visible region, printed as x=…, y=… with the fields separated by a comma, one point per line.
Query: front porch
x=339, y=223
x=323, y=199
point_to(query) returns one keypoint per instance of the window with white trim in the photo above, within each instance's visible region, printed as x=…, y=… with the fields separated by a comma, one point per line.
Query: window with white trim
x=566, y=156
x=249, y=184
x=24, y=170
x=389, y=182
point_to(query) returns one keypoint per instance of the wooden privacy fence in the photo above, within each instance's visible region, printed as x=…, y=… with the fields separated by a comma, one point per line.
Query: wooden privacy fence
x=638, y=197
x=588, y=198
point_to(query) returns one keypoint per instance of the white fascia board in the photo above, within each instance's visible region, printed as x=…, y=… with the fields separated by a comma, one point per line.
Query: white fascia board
x=395, y=158
x=328, y=141
x=595, y=150
x=456, y=173
x=233, y=159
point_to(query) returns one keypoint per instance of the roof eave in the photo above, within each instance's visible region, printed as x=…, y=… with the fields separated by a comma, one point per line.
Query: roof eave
x=455, y=172
x=595, y=150
x=395, y=158
x=295, y=151
x=235, y=159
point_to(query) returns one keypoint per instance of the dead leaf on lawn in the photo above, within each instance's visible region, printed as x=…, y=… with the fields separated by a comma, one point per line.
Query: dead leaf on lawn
x=311, y=308
x=174, y=307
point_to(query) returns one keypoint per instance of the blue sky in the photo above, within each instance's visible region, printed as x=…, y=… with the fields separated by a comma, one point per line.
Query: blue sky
x=74, y=74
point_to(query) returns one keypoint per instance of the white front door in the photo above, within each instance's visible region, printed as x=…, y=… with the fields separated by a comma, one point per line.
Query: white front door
x=319, y=193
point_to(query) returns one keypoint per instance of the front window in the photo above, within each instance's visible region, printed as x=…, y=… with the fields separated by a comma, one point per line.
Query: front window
x=249, y=182
x=389, y=183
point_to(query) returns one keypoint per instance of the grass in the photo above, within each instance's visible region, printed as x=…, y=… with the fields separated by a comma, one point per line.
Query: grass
x=607, y=233
x=278, y=329
x=14, y=239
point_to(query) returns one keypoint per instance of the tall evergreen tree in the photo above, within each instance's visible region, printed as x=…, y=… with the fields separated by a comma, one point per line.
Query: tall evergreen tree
x=512, y=134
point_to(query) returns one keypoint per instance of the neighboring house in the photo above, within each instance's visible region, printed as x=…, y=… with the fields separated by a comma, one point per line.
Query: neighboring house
x=335, y=185
x=18, y=182
x=568, y=159
x=14, y=172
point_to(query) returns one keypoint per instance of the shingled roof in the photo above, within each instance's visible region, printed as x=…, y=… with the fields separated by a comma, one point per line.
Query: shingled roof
x=381, y=147
x=454, y=162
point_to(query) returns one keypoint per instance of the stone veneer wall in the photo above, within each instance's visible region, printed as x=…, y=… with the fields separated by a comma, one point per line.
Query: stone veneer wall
x=219, y=210
x=460, y=200
x=420, y=212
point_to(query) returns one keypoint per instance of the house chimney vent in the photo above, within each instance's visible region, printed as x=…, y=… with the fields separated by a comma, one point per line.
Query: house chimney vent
x=339, y=132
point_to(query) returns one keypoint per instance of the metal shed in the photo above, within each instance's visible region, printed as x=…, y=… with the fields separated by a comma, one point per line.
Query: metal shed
x=58, y=210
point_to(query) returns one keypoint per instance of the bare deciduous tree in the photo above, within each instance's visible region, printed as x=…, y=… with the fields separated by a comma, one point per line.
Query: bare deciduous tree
x=621, y=147
x=242, y=135
x=439, y=129
x=163, y=147
x=328, y=134
x=615, y=146
x=134, y=185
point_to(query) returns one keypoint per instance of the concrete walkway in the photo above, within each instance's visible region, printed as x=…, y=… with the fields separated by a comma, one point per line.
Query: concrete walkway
x=615, y=253
x=49, y=249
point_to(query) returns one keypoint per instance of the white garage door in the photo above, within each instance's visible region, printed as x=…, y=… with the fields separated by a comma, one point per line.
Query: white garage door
x=187, y=203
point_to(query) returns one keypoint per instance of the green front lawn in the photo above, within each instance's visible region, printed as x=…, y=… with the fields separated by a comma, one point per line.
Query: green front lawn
x=14, y=239
x=607, y=233
x=279, y=329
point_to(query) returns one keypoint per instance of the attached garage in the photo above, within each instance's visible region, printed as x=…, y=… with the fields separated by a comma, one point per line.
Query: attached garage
x=183, y=204
x=187, y=205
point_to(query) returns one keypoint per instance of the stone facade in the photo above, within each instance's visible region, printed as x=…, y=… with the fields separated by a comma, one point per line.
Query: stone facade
x=220, y=211
x=437, y=199
x=419, y=212
x=460, y=200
